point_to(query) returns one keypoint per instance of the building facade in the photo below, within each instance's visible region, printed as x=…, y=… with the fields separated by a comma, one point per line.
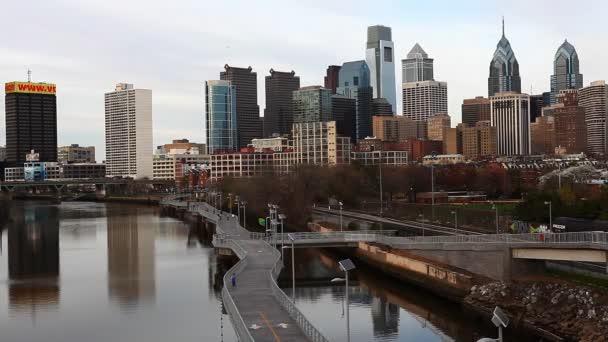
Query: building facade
x=241, y=164
x=437, y=124
x=452, y=140
x=510, y=114
x=504, y=68
x=278, y=115
x=389, y=158
x=244, y=81
x=311, y=104
x=31, y=121
x=566, y=73
x=76, y=154
x=331, y=79
x=479, y=141
x=380, y=58
x=220, y=116
x=474, y=110
x=537, y=103
x=594, y=99
x=276, y=144
x=344, y=113
x=318, y=143
x=423, y=99
x=542, y=135
x=128, y=114
x=570, y=126
x=395, y=129
x=417, y=66
x=354, y=83
x=381, y=107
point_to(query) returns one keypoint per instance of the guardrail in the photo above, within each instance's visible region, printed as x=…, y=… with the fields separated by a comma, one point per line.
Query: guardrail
x=309, y=330
x=594, y=238
x=238, y=324
x=347, y=236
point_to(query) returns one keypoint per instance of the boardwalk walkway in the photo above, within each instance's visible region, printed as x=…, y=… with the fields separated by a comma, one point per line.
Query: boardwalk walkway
x=259, y=309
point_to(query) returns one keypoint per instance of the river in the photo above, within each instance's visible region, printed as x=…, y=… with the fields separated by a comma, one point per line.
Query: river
x=83, y=271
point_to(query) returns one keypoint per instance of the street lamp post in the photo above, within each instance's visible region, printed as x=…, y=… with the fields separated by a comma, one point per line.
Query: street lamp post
x=340, y=215
x=293, y=269
x=455, y=218
x=347, y=265
x=495, y=207
x=244, y=214
x=230, y=201
x=380, y=173
x=550, y=215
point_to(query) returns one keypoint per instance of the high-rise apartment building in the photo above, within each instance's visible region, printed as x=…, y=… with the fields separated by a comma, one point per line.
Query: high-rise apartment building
x=542, y=135
x=479, y=141
x=565, y=71
x=504, y=68
x=381, y=61
x=510, y=114
x=422, y=100
x=129, y=132
x=344, y=113
x=475, y=110
x=278, y=115
x=354, y=82
x=31, y=121
x=394, y=128
x=311, y=104
x=437, y=124
x=331, y=79
x=221, y=116
x=594, y=99
x=452, y=140
x=417, y=66
x=76, y=154
x=247, y=110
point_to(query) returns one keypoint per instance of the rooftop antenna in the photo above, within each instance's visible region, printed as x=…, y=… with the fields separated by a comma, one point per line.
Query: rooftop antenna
x=503, y=25
x=29, y=75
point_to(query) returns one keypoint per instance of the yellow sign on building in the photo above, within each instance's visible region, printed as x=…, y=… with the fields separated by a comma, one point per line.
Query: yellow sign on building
x=30, y=88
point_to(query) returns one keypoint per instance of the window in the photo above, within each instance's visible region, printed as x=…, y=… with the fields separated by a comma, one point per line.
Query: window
x=356, y=81
x=388, y=54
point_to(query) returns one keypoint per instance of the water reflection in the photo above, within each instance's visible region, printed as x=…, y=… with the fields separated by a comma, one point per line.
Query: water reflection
x=33, y=259
x=131, y=273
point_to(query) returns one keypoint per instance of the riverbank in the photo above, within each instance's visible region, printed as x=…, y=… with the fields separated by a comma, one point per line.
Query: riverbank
x=147, y=200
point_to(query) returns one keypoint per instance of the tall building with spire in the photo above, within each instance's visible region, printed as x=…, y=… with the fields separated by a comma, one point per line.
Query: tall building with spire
x=417, y=66
x=504, y=69
x=565, y=71
x=380, y=58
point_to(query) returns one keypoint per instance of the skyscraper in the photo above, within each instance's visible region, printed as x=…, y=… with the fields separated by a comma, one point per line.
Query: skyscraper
x=510, y=114
x=423, y=99
x=537, y=103
x=504, y=69
x=311, y=104
x=129, y=132
x=354, y=82
x=220, y=116
x=278, y=115
x=417, y=66
x=331, y=78
x=31, y=121
x=475, y=110
x=565, y=70
x=380, y=59
x=381, y=107
x=594, y=99
x=247, y=109
x=344, y=113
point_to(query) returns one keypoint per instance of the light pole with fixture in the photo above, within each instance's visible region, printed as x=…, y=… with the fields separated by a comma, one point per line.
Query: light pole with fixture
x=347, y=265
x=340, y=215
x=550, y=215
x=455, y=218
x=281, y=219
x=244, y=214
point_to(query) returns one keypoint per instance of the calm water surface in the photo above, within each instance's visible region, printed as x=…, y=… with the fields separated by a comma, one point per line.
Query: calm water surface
x=115, y=272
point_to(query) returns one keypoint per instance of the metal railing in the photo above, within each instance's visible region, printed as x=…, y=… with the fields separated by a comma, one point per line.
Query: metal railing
x=303, y=237
x=307, y=327
x=582, y=238
x=238, y=324
x=174, y=197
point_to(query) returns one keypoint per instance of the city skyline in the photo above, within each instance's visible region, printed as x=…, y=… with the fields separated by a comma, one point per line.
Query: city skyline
x=170, y=59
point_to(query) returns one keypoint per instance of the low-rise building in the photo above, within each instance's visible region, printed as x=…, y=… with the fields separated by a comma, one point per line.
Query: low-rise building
x=246, y=163
x=443, y=159
x=276, y=144
x=393, y=158
x=174, y=166
x=76, y=154
x=43, y=171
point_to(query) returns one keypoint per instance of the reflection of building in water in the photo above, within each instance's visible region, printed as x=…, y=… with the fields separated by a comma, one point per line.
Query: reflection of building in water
x=33, y=256
x=131, y=275
x=385, y=316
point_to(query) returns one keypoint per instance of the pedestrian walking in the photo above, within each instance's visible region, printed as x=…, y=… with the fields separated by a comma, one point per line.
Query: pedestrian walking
x=233, y=280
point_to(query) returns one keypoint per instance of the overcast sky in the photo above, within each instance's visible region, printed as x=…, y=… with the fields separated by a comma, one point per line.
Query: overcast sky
x=172, y=47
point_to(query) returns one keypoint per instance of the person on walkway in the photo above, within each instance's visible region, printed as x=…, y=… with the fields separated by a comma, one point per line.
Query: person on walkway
x=233, y=280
